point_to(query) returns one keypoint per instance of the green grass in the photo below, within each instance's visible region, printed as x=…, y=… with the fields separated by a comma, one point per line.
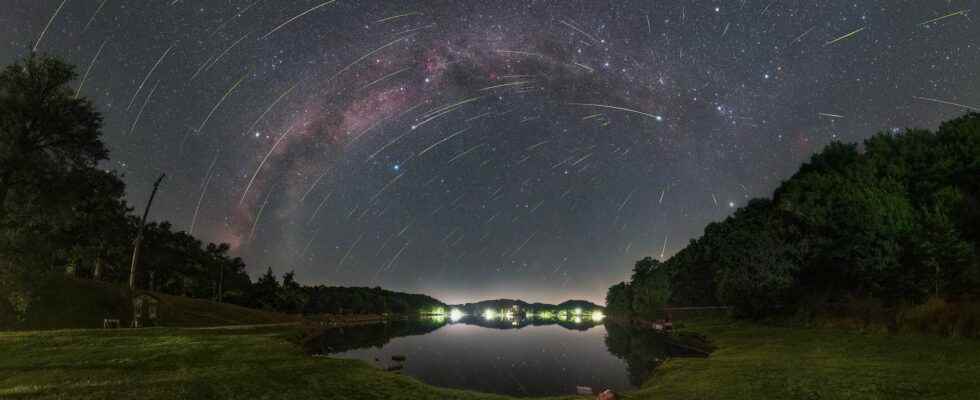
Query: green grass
x=752, y=362
x=767, y=362
x=193, y=364
x=66, y=303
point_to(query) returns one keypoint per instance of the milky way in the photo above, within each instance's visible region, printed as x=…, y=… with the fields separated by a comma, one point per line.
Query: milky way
x=475, y=149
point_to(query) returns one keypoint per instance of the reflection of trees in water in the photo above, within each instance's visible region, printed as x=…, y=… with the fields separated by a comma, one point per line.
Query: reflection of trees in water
x=517, y=323
x=644, y=350
x=341, y=339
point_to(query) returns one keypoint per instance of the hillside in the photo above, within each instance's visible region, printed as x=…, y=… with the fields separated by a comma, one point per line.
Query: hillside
x=67, y=303
x=498, y=304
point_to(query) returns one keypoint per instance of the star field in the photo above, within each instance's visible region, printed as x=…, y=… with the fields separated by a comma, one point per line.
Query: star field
x=470, y=149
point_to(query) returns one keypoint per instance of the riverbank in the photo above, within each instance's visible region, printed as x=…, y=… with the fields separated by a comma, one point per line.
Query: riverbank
x=171, y=363
x=751, y=362
x=755, y=361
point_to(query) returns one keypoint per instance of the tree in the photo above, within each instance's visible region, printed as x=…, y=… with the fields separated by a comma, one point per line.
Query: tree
x=619, y=300
x=293, y=298
x=650, y=288
x=265, y=292
x=49, y=149
x=45, y=131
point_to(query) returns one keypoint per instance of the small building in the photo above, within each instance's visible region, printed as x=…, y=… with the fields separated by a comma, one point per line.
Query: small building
x=145, y=307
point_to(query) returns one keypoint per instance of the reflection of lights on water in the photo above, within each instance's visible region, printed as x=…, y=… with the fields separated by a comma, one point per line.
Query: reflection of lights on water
x=577, y=319
x=489, y=314
x=598, y=316
x=455, y=315
x=509, y=315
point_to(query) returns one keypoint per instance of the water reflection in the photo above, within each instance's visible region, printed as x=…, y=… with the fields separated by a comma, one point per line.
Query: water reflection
x=644, y=350
x=516, y=356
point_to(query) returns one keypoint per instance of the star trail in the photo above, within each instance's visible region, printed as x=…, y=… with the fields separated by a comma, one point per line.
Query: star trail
x=467, y=149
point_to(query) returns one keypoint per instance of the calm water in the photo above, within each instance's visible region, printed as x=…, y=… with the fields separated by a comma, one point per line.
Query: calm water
x=501, y=357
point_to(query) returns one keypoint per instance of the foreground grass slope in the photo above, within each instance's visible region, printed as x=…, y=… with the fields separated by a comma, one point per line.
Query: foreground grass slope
x=766, y=362
x=190, y=364
x=752, y=362
x=80, y=303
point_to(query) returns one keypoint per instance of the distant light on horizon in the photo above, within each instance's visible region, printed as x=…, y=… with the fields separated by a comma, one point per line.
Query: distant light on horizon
x=455, y=315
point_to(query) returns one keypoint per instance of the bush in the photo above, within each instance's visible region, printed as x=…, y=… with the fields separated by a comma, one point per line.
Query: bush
x=937, y=316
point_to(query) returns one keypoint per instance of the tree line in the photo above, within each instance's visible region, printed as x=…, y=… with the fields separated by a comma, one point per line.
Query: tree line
x=62, y=212
x=893, y=223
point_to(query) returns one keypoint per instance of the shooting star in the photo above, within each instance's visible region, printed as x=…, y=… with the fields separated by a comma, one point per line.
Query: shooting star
x=949, y=103
x=576, y=29
x=143, y=107
x=664, y=248
x=94, y=14
x=258, y=216
x=463, y=154
x=318, y=207
x=218, y=104
x=271, y=106
x=266, y=158
x=53, y=16
x=349, y=250
x=447, y=138
x=521, y=247
x=625, y=202
x=89, y=69
x=204, y=189
x=657, y=118
x=147, y=77
x=952, y=14
x=297, y=17
x=392, y=18
x=855, y=32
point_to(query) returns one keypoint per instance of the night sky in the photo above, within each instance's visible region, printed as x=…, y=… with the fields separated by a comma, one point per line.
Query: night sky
x=484, y=149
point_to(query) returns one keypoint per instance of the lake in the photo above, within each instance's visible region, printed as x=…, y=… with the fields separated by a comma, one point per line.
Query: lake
x=512, y=357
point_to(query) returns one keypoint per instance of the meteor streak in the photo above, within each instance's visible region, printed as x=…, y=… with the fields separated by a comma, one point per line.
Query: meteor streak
x=457, y=133
x=204, y=189
x=281, y=96
x=143, y=107
x=855, y=32
x=89, y=69
x=349, y=250
x=318, y=207
x=297, y=17
x=342, y=70
x=463, y=154
x=658, y=118
x=576, y=29
x=392, y=18
x=258, y=217
x=385, y=77
x=147, y=77
x=218, y=104
x=830, y=115
x=952, y=14
x=53, y=16
x=95, y=14
x=518, y=83
x=949, y=103
x=266, y=158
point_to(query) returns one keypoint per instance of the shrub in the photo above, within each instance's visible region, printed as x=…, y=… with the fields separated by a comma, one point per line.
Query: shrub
x=937, y=316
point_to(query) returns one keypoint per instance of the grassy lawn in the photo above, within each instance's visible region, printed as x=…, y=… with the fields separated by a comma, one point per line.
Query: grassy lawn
x=191, y=364
x=752, y=362
x=765, y=362
x=82, y=303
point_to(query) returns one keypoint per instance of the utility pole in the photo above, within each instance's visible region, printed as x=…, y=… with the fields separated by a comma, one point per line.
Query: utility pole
x=139, y=235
